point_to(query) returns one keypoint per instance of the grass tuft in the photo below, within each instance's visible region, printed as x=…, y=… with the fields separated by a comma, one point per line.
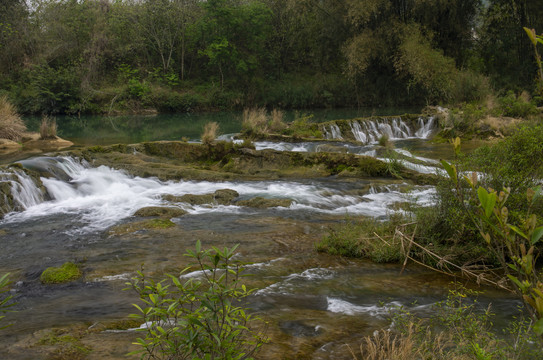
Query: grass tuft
x=210, y=133
x=48, y=128
x=12, y=126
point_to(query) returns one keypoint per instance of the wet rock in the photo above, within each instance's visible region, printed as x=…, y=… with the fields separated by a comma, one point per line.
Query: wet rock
x=161, y=211
x=221, y=197
x=262, y=203
x=225, y=196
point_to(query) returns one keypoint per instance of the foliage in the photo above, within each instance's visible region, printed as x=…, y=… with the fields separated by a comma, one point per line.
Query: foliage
x=210, y=132
x=197, y=317
x=512, y=163
x=5, y=300
x=48, y=128
x=511, y=105
x=302, y=127
x=63, y=274
x=514, y=245
x=12, y=126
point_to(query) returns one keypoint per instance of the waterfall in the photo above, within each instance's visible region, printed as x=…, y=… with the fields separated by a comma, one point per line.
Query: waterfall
x=20, y=191
x=370, y=131
x=333, y=134
x=425, y=129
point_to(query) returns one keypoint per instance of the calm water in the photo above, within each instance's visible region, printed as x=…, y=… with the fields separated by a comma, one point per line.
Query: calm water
x=103, y=130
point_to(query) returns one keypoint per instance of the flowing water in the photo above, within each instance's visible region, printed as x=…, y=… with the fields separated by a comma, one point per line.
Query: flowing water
x=315, y=303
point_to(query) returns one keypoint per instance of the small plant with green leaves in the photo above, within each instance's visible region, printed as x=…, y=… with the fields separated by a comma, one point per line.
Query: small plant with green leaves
x=191, y=317
x=5, y=300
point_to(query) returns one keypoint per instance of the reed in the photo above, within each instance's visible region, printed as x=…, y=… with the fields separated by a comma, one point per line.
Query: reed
x=48, y=128
x=12, y=126
x=210, y=132
x=255, y=121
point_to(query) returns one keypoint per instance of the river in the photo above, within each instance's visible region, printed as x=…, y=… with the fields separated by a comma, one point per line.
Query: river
x=314, y=303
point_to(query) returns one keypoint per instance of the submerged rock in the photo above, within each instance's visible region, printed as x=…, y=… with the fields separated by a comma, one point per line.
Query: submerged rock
x=161, y=211
x=262, y=203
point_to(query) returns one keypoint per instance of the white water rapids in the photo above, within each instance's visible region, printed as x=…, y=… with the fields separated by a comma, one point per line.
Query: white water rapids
x=101, y=197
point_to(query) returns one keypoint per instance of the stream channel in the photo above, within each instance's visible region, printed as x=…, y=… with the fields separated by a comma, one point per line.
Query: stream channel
x=314, y=303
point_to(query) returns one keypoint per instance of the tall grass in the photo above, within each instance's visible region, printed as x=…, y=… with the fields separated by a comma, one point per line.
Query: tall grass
x=255, y=121
x=210, y=132
x=48, y=128
x=12, y=126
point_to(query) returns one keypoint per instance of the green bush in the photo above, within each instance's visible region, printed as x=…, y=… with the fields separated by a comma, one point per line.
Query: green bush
x=511, y=105
x=192, y=318
x=514, y=162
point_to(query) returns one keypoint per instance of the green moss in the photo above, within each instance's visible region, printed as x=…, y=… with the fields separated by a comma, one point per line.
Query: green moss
x=159, y=224
x=58, y=275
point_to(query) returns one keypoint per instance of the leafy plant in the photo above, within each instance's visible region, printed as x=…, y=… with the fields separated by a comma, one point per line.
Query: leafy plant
x=513, y=245
x=5, y=301
x=190, y=317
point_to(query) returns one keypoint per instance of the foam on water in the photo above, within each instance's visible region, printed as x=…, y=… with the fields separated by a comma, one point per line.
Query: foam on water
x=340, y=306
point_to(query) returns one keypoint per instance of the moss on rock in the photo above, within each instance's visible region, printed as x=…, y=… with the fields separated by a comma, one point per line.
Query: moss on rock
x=262, y=203
x=59, y=275
x=161, y=211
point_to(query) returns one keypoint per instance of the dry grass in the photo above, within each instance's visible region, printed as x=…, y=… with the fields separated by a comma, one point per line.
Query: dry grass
x=277, y=124
x=385, y=345
x=255, y=121
x=12, y=126
x=210, y=132
x=48, y=128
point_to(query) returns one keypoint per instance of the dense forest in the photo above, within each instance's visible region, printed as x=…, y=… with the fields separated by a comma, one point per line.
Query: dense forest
x=96, y=56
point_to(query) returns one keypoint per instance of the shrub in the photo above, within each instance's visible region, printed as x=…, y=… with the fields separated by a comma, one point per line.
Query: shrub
x=12, y=126
x=210, y=132
x=192, y=318
x=516, y=106
x=48, y=128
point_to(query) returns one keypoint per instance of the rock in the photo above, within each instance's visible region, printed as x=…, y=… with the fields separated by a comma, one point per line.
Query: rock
x=58, y=275
x=225, y=196
x=221, y=197
x=262, y=203
x=161, y=211
x=9, y=146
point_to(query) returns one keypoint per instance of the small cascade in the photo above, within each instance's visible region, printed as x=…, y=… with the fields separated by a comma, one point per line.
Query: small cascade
x=425, y=128
x=19, y=191
x=333, y=134
x=370, y=131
